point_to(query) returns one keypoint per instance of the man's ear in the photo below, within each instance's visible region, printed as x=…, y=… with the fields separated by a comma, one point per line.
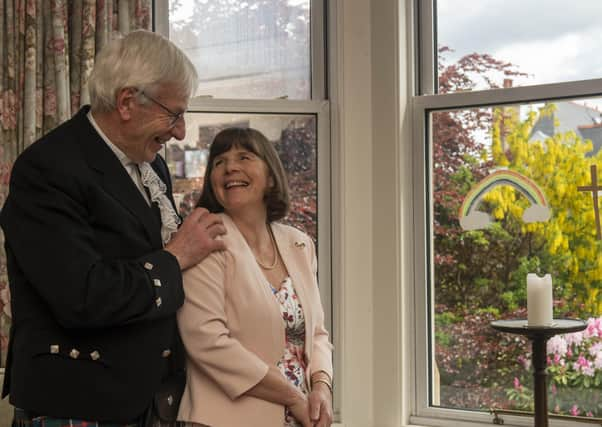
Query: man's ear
x=126, y=100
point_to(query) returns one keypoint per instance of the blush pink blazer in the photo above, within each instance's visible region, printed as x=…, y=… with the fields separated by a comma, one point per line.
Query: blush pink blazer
x=233, y=330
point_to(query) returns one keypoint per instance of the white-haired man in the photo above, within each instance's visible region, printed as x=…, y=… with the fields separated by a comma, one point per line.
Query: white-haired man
x=95, y=248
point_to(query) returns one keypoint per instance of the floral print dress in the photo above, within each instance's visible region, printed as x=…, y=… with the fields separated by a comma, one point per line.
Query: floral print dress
x=292, y=365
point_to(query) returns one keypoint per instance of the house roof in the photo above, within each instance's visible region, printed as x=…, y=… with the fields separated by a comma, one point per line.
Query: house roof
x=571, y=116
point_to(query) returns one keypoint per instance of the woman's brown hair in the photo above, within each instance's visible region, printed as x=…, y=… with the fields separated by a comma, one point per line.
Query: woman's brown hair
x=276, y=199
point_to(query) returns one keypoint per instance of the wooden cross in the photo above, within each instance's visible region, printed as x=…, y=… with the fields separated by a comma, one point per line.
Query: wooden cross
x=594, y=188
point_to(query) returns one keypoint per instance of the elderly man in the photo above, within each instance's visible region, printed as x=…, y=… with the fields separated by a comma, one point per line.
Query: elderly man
x=95, y=248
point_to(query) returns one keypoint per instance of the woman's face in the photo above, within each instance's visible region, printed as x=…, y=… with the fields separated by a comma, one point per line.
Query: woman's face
x=240, y=180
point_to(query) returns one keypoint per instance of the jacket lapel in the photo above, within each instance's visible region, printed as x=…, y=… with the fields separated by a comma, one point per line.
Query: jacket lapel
x=293, y=258
x=115, y=179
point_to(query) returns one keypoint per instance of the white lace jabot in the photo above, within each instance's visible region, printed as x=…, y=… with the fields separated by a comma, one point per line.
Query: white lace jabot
x=157, y=188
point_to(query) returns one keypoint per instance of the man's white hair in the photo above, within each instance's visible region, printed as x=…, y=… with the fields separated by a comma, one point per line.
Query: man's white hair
x=142, y=60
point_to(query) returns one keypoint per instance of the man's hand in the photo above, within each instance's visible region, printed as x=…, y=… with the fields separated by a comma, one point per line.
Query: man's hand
x=196, y=238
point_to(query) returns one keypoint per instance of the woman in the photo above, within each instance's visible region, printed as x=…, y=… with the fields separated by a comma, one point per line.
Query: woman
x=252, y=321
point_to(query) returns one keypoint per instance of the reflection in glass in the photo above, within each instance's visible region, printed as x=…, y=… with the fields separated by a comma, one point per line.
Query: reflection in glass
x=246, y=49
x=294, y=136
x=479, y=275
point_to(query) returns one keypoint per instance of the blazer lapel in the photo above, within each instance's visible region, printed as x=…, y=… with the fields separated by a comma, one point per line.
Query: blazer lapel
x=115, y=179
x=292, y=256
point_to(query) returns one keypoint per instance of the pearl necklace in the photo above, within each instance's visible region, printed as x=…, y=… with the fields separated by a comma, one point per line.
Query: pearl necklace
x=274, y=248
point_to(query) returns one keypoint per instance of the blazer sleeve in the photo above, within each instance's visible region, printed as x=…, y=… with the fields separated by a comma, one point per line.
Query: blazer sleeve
x=204, y=329
x=50, y=235
x=322, y=348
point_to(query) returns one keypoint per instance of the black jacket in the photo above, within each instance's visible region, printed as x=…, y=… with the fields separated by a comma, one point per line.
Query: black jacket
x=93, y=294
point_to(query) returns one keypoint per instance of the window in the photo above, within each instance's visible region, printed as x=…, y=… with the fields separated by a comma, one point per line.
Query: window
x=244, y=49
x=549, y=41
x=261, y=64
x=484, y=111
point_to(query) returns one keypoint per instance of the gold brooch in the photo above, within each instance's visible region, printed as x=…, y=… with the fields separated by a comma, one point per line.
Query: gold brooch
x=300, y=244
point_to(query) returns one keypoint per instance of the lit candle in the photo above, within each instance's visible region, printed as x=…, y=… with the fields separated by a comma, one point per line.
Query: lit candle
x=539, y=300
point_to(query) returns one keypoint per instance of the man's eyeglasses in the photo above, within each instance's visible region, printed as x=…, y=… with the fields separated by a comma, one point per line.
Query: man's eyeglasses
x=174, y=117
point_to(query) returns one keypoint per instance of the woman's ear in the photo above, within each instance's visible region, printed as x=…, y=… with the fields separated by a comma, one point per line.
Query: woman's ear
x=126, y=101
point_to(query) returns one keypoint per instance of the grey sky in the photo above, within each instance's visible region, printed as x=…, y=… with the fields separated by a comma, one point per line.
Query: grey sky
x=554, y=40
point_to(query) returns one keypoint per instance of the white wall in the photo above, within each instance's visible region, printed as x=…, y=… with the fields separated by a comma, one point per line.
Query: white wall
x=371, y=187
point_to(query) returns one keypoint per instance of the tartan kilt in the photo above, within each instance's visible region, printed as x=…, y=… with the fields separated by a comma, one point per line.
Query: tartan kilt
x=21, y=420
x=65, y=422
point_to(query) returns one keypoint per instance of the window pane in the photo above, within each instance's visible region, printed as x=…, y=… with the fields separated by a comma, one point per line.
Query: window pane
x=246, y=49
x=548, y=41
x=294, y=136
x=488, y=165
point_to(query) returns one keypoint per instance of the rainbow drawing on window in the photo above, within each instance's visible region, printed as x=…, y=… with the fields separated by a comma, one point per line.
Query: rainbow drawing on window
x=472, y=219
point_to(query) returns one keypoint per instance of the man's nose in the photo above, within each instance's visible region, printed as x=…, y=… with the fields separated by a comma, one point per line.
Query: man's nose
x=179, y=129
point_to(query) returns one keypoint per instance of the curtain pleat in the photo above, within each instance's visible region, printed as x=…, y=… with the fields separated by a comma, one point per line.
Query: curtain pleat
x=123, y=16
x=75, y=41
x=29, y=90
x=87, y=51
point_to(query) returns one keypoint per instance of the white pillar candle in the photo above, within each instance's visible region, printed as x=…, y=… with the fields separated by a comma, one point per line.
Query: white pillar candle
x=539, y=300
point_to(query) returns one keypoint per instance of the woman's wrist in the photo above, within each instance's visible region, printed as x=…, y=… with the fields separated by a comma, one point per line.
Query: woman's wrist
x=296, y=397
x=321, y=375
x=321, y=382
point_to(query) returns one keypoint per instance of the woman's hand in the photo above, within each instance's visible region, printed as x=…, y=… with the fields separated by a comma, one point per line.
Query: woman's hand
x=300, y=410
x=320, y=405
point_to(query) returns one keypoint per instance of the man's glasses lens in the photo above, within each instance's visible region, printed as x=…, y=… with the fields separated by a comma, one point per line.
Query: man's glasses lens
x=174, y=116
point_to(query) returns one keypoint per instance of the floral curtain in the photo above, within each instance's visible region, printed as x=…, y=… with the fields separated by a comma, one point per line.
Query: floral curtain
x=47, y=50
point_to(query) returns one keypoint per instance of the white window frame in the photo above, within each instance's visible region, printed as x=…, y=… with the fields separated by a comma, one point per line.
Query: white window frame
x=319, y=106
x=423, y=103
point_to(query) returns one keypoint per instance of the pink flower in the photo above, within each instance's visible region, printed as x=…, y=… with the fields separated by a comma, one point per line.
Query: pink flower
x=595, y=322
x=524, y=361
x=594, y=328
x=557, y=345
x=574, y=338
x=8, y=117
x=581, y=362
x=50, y=107
x=574, y=410
x=57, y=45
x=584, y=366
x=517, y=385
x=31, y=8
x=5, y=169
x=589, y=414
x=595, y=349
x=5, y=301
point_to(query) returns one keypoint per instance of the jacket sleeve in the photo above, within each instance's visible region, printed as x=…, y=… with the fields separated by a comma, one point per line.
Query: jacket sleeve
x=50, y=232
x=204, y=329
x=322, y=348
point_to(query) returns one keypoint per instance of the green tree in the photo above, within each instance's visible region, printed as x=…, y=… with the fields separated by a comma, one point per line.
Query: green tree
x=566, y=245
x=465, y=276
